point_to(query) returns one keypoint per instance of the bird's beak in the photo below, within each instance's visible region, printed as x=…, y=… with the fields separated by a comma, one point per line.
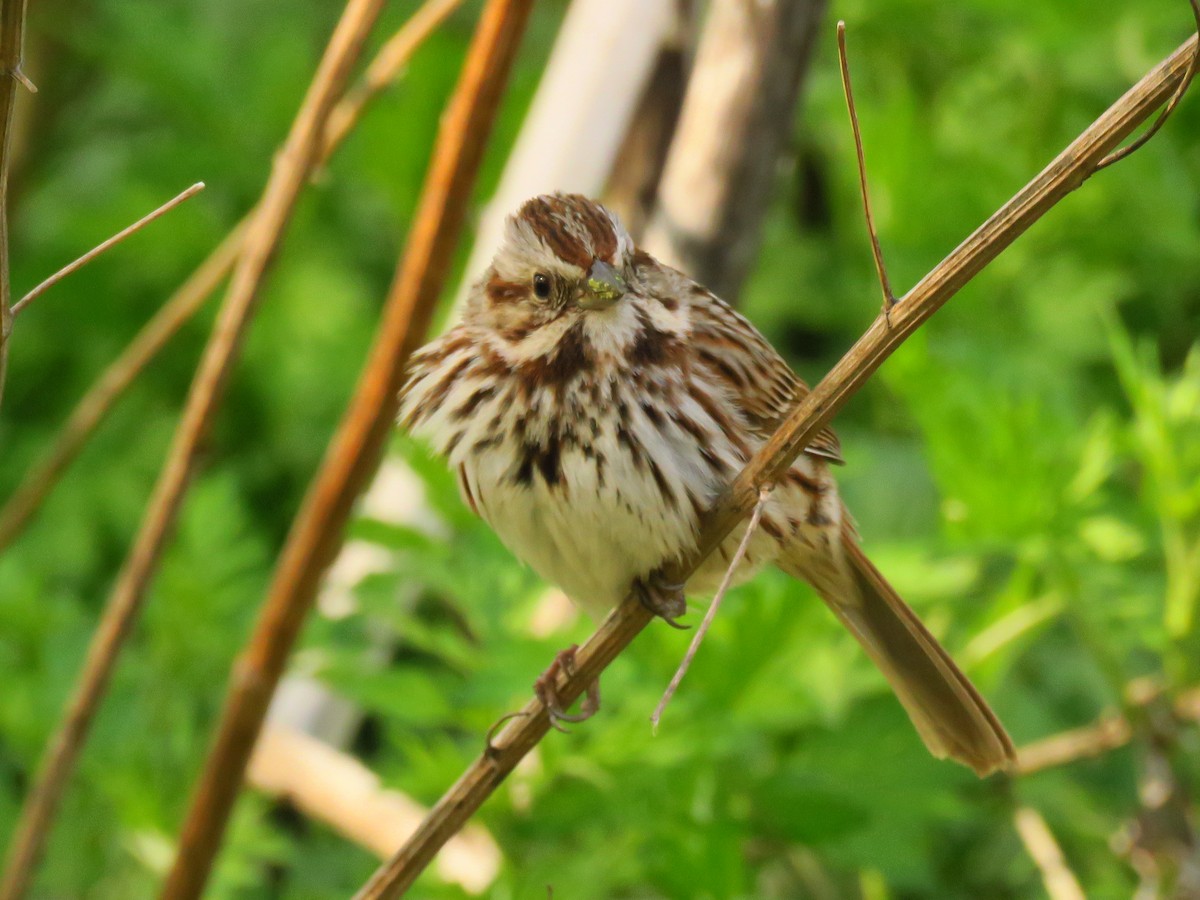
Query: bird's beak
x=603, y=288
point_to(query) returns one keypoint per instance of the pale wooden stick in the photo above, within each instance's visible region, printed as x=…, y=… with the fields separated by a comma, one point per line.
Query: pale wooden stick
x=1109, y=732
x=737, y=114
x=333, y=787
x=1060, y=882
x=106, y=245
x=751, y=527
x=531, y=724
x=292, y=168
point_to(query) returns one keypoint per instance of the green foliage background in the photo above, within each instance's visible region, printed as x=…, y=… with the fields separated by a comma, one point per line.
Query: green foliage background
x=1026, y=470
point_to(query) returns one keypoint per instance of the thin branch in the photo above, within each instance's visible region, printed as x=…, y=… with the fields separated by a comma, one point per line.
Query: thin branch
x=1107, y=733
x=23, y=80
x=102, y=396
x=106, y=245
x=751, y=527
x=289, y=175
x=1165, y=113
x=355, y=449
x=36, y=485
x=1110, y=732
x=385, y=69
x=1067, y=172
x=1060, y=882
x=12, y=37
x=889, y=299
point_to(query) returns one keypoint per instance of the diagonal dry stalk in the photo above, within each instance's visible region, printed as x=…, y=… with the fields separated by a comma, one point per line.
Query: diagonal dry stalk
x=384, y=70
x=1067, y=172
x=290, y=173
x=104, y=246
x=1109, y=732
x=12, y=34
x=85, y=418
x=764, y=494
x=1058, y=879
x=87, y=415
x=355, y=449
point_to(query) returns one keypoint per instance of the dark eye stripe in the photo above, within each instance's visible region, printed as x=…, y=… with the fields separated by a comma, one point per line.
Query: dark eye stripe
x=501, y=291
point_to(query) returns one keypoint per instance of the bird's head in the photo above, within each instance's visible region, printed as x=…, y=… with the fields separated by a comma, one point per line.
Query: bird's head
x=564, y=258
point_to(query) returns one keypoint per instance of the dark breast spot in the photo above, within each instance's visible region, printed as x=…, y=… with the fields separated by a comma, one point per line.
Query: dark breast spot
x=664, y=487
x=624, y=436
x=569, y=359
x=653, y=347
x=652, y=413
x=472, y=403
x=543, y=459
x=548, y=462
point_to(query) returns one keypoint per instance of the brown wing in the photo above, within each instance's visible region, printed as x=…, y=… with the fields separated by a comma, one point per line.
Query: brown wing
x=764, y=385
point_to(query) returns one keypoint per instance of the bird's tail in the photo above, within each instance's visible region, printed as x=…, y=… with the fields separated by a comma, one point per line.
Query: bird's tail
x=950, y=715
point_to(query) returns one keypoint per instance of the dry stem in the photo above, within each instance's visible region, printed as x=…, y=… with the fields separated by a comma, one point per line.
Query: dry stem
x=87, y=415
x=1165, y=113
x=1106, y=733
x=884, y=284
x=385, y=69
x=291, y=171
x=12, y=35
x=1067, y=172
x=1109, y=732
x=1060, y=882
x=355, y=449
x=711, y=614
x=36, y=485
x=105, y=246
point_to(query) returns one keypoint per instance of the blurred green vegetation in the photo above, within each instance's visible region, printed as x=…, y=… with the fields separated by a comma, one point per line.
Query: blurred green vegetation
x=1026, y=470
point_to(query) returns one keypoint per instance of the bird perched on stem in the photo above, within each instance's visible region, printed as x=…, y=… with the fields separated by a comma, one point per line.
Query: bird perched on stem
x=594, y=403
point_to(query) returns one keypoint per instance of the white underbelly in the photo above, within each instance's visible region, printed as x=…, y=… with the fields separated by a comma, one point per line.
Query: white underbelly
x=583, y=534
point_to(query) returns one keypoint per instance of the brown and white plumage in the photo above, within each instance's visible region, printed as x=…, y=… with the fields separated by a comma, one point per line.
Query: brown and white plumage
x=594, y=402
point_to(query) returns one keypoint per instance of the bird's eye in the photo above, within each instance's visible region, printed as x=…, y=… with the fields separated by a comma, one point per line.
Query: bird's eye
x=541, y=285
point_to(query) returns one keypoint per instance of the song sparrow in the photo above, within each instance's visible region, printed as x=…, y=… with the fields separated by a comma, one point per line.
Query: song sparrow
x=594, y=402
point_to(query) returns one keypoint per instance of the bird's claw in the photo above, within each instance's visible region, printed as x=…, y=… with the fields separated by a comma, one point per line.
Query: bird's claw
x=490, y=738
x=546, y=689
x=663, y=599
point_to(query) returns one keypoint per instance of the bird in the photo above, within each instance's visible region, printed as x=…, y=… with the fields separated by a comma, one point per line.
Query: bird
x=593, y=402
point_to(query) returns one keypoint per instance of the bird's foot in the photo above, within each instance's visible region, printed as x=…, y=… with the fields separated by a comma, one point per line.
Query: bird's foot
x=546, y=688
x=663, y=599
